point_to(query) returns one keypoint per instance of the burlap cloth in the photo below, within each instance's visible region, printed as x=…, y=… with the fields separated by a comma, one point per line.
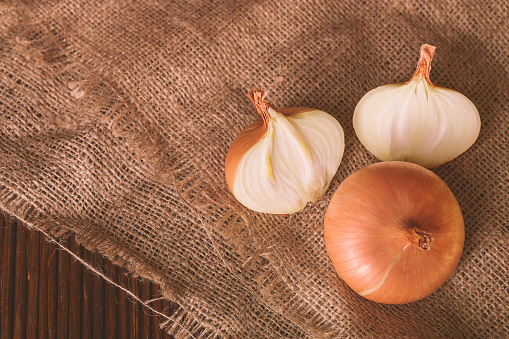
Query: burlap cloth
x=116, y=117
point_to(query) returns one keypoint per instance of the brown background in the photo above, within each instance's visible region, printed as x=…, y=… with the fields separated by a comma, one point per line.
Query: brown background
x=116, y=116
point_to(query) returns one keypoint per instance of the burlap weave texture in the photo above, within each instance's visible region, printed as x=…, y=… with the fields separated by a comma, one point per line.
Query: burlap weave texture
x=116, y=116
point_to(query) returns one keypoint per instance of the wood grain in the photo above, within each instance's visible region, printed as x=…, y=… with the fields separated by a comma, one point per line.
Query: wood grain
x=20, y=288
x=8, y=264
x=45, y=293
x=33, y=284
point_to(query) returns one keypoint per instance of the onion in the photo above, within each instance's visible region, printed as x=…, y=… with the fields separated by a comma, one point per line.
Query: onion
x=284, y=160
x=394, y=232
x=417, y=121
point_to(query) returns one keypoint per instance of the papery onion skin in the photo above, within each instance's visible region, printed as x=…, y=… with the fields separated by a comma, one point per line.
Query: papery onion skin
x=285, y=159
x=417, y=121
x=394, y=232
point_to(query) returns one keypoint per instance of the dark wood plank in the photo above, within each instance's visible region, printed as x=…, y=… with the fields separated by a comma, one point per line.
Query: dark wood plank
x=6, y=325
x=2, y=282
x=20, y=289
x=87, y=297
x=166, y=308
x=41, y=285
x=63, y=292
x=42, y=323
x=52, y=277
x=155, y=320
x=123, y=306
x=110, y=302
x=33, y=283
x=2, y=238
x=133, y=310
x=145, y=329
x=75, y=291
x=98, y=298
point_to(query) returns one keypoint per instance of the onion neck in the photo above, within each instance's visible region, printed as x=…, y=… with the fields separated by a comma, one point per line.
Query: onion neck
x=258, y=97
x=420, y=238
x=424, y=63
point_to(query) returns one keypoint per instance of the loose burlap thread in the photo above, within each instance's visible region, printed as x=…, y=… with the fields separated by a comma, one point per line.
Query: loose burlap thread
x=116, y=118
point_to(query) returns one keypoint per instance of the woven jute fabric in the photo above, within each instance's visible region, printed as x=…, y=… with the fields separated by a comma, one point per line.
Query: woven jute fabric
x=116, y=117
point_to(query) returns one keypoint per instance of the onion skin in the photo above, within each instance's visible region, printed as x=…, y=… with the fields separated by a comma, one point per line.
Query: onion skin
x=394, y=232
x=242, y=143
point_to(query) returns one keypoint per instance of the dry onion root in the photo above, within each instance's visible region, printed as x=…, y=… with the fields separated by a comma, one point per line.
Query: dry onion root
x=285, y=159
x=394, y=232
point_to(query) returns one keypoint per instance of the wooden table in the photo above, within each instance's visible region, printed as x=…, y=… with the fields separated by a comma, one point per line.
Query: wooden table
x=45, y=293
